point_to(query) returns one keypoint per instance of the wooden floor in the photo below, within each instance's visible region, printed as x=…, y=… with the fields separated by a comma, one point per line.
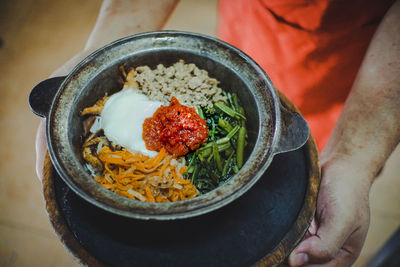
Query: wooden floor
x=37, y=36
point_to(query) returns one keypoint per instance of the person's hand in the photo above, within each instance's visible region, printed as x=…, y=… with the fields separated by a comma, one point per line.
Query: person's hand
x=338, y=231
x=41, y=147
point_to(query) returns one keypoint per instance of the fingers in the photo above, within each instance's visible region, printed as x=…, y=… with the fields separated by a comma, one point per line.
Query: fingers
x=313, y=249
x=352, y=247
x=298, y=259
x=41, y=149
x=342, y=259
x=322, y=245
x=323, y=248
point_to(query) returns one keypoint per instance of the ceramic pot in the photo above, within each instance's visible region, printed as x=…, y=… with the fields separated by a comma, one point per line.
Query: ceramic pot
x=271, y=128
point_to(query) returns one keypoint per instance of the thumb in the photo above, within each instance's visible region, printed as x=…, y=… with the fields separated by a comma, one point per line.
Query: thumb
x=41, y=148
x=322, y=246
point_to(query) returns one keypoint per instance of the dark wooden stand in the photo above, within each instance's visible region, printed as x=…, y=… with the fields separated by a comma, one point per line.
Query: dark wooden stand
x=273, y=258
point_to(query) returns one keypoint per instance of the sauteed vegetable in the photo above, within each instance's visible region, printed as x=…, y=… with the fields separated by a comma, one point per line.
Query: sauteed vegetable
x=223, y=154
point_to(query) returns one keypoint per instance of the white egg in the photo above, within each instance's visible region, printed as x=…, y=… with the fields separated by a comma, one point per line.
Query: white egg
x=122, y=119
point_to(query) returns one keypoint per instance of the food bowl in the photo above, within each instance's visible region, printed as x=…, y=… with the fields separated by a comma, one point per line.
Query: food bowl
x=271, y=128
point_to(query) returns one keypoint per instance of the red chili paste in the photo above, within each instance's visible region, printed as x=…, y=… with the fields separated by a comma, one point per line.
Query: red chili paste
x=176, y=127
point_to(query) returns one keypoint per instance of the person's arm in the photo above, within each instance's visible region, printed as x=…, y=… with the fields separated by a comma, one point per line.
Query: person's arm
x=368, y=130
x=117, y=19
x=120, y=18
x=365, y=135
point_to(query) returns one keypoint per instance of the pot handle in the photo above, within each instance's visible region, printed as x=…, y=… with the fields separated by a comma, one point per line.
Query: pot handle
x=42, y=95
x=294, y=131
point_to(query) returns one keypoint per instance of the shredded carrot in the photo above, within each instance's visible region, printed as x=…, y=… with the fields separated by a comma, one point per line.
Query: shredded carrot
x=149, y=195
x=183, y=169
x=139, y=177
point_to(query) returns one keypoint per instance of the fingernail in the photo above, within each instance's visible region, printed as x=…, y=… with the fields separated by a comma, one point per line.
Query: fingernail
x=300, y=259
x=313, y=227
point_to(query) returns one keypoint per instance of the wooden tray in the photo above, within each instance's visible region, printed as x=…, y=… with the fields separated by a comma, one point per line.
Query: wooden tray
x=260, y=228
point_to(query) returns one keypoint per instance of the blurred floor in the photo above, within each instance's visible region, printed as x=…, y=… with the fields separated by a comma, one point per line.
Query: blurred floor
x=37, y=36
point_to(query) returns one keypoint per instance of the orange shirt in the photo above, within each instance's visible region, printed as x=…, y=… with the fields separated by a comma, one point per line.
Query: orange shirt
x=311, y=49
